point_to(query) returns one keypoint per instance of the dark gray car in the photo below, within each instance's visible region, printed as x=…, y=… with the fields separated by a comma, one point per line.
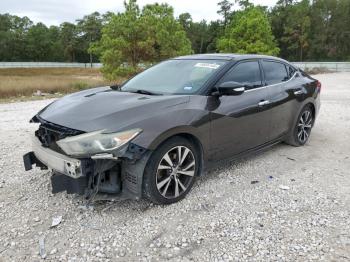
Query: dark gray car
x=156, y=133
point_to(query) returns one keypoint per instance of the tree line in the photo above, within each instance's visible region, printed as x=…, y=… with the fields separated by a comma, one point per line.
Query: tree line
x=304, y=30
x=22, y=40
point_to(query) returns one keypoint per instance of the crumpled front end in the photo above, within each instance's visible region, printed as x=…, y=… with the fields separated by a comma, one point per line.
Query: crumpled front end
x=119, y=173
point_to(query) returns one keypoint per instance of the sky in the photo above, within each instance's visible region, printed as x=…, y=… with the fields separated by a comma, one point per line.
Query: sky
x=54, y=12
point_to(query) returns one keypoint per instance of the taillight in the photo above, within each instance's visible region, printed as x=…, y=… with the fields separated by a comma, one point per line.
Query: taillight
x=319, y=85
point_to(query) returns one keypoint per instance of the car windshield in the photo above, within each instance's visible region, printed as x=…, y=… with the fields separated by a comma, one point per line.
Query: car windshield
x=174, y=77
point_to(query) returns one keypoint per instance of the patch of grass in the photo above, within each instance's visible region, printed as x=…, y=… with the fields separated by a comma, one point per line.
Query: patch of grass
x=19, y=82
x=80, y=85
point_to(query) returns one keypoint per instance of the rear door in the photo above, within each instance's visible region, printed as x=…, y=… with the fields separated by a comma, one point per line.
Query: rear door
x=239, y=123
x=281, y=88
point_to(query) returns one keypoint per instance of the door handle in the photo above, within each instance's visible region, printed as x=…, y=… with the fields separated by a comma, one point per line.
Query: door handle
x=298, y=92
x=264, y=103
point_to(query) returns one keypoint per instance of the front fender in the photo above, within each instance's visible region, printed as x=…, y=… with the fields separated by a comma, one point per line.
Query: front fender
x=194, y=122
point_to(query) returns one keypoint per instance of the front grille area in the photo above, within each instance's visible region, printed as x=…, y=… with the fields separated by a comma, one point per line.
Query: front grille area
x=49, y=133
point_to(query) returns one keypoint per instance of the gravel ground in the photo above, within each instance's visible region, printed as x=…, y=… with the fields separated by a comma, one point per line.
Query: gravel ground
x=298, y=210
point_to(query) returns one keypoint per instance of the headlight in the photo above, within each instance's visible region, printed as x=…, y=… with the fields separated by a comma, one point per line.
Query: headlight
x=96, y=142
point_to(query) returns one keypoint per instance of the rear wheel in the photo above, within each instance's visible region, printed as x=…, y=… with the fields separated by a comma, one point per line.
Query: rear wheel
x=300, y=133
x=171, y=171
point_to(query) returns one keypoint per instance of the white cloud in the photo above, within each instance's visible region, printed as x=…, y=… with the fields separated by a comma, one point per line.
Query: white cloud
x=54, y=12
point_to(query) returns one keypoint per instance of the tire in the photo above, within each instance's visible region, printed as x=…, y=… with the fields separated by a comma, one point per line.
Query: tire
x=168, y=179
x=301, y=131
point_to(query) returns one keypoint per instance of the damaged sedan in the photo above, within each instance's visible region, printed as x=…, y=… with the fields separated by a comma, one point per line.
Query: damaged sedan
x=155, y=134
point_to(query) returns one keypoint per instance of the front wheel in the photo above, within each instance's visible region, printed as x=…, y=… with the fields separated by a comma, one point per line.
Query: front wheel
x=300, y=133
x=171, y=171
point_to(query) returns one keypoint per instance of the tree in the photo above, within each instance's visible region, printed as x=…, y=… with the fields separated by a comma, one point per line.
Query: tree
x=225, y=10
x=69, y=39
x=90, y=28
x=330, y=33
x=5, y=37
x=56, y=52
x=186, y=21
x=249, y=32
x=291, y=26
x=124, y=40
x=214, y=32
x=166, y=35
x=312, y=30
x=136, y=37
x=197, y=33
x=38, y=42
x=13, y=32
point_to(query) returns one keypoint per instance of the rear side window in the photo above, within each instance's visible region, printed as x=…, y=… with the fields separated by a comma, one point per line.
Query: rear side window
x=275, y=72
x=246, y=73
x=291, y=71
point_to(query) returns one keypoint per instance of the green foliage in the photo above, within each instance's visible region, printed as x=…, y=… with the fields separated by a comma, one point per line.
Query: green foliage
x=303, y=30
x=22, y=40
x=136, y=37
x=164, y=33
x=203, y=35
x=225, y=10
x=312, y=30
x=43, y=43
x=292, y=26
x=80, y=85
x=249, y=32
x=90, y=28
x=330, y=34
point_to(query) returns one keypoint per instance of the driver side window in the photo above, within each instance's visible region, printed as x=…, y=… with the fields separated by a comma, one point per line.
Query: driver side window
x=246, y=73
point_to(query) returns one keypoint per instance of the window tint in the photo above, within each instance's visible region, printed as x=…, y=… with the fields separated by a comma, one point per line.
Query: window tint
x=247, y=73
x=274, y=72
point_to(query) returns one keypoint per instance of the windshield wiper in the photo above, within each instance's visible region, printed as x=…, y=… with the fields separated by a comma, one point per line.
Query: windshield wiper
x=145, y=92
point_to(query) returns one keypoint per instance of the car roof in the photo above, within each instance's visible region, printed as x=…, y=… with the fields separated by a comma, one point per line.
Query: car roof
x=222, y=56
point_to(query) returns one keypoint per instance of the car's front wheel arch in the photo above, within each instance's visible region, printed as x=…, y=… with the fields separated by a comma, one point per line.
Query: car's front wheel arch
x=184, y=134
x=150, y=176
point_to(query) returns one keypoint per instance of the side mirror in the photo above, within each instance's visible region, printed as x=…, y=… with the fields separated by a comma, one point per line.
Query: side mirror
x=115, y=87
x=230, y=89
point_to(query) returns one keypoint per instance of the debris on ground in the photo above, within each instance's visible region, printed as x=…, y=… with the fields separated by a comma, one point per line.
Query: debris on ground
x=53, y=251
x=42, y=251
x=56, y=221
x=284, y=187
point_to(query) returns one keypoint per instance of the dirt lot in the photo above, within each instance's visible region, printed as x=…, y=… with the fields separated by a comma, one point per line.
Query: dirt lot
x=225, y=217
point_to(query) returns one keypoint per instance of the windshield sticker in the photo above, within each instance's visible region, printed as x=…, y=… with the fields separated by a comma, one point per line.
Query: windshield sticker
x=207, y=65
x=188, y=88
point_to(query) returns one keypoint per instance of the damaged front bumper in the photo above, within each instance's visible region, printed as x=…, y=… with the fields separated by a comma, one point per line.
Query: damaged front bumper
x=57, y=162
x=89, y=176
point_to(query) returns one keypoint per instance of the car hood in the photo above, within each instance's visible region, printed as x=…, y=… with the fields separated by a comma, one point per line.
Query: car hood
x=104, y=108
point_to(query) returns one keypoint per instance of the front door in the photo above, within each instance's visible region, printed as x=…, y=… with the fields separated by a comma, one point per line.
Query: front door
x=239, y=123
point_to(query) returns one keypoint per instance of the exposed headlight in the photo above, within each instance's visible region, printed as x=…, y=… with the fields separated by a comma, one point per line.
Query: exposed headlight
x=96, y=142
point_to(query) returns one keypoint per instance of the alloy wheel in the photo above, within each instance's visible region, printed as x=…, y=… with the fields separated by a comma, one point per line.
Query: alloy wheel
x=175, y=172
x=304, y=126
